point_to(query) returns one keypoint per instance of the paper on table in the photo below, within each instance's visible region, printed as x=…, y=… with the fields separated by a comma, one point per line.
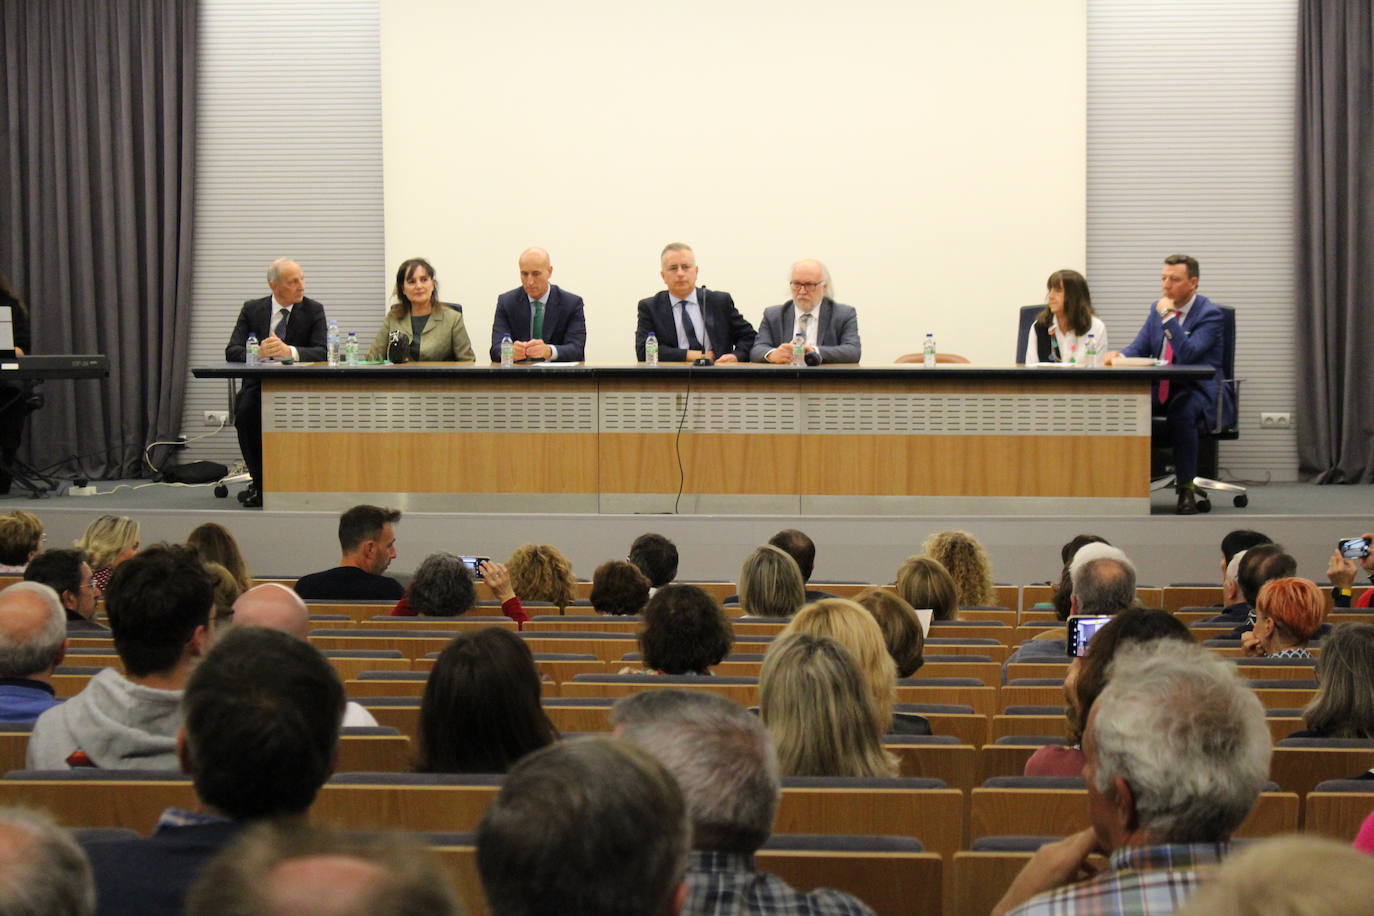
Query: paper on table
x=1133, y=361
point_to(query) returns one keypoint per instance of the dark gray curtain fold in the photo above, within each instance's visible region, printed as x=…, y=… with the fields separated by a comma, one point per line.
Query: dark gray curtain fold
x=1334, y=313
x=97, y=159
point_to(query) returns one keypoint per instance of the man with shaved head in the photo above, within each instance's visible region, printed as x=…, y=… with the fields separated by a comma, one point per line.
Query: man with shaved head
x=543, y=321
x=277, y=607
x=33, y=640
x=831, y=330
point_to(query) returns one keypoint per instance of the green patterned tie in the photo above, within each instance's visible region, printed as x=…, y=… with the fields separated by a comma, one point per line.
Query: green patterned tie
x=537, y=332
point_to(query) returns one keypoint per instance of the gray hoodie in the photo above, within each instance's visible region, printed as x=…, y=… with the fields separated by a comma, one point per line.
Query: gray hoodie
x=119, y=724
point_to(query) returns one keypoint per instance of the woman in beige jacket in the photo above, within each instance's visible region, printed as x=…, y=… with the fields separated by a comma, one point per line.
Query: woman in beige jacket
x=436, y=330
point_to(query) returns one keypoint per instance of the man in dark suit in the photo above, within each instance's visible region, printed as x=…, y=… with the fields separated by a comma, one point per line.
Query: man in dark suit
x=689, y=322
x=831, y=330
x=1184, y=327
x=288, y=326
x=543, y=321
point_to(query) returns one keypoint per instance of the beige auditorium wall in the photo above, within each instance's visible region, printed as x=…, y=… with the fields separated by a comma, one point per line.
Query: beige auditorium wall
x=932, y=153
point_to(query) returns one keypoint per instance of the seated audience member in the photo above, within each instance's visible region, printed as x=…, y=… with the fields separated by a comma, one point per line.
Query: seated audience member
x=619, y=588
x=367, y=537
x=260, y=736
x=819, y=711
x=43, y=871
x=443, y=587
x=215, y=544
x=656, y=557
x=924, y=583
x=685, y=632
x=21, y=539
x=1288, y=614
x=1103, y=582
x=1239, y=541
x=1288, y=876
x=276, y=607
x=289, y=869
x=159, y=604
x=107, y=542
x=901, y=628
x=227, y=591
x=594, y=827
x=801, y=548
x=67, y=573
x=724, y=762
x=770, y=584
x=33, y=641
x=1253, y=567
x=1177, y=752
x=1343, y=706
x=539, y=572
x=854, y=628
x=1087, y=677
x=1341, y=573
x=481, y=711
x=967, y=563
x=1063, y=590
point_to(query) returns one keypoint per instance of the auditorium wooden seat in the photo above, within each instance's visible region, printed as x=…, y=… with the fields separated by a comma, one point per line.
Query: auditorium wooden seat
x=475, y=620
x=570, y=717
x=1031, y=595
x=591, y=685
x=1252, y=672
x=1001, y=633
x=1029, y=695
x=621, y=625
x=1338, y=815
x=1017, y=670
x=350, y=666
x=1181, y=596
x=1284, y=697
x=968, y=728
x=1048, y=725
x=990, y=673
x=981, y=878
x=1002, y=760
x=933, y=816
x=358, y=611
x=1281, y=727
x=356, y=689
x=69, y=684
x=1053, y=629
x=375, y=753
x=983, y=700
x=92, y=642
x=559, y=667
x=953, y=763
x=997, y=651
x=404, y=718
x=134, y=804
x=896, y=882
x=1040, y=618
x=1299, y=769
x=1004, y=616
x=424, y=808
x=459, y=862
x=411, y=645
x=14, y=744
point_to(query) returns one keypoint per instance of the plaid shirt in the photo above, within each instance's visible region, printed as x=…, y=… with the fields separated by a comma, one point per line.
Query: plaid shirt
x=1139, y=881
x=725, y=883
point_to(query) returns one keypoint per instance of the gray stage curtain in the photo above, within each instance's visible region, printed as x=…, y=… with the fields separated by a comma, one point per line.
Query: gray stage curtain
x=97, y=161
x=1334, y=313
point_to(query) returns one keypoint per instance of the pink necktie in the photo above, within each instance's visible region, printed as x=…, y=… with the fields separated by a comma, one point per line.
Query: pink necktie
x=1168, y=359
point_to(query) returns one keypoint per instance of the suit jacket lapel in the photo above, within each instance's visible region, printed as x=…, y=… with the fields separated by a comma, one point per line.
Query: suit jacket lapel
x=788, y=320
x=825, y=314
x=665, y=307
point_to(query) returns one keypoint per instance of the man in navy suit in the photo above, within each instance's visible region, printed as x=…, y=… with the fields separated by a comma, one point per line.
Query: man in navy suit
x=689, y=322
x=1184, y=327
x=288, y=326
x=543, y=321
x=831, y=330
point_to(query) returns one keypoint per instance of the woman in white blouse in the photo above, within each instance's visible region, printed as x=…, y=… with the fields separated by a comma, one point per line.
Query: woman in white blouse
x=1059, y=334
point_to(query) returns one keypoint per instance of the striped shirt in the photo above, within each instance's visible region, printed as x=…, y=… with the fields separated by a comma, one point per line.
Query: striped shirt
x=1139, y=881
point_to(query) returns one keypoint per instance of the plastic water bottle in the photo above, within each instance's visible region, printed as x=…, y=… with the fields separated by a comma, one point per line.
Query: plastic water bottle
x=651, y=349
x=252, y=358
x=928, y=351
x=507, y=352
x=1090, y=352
x=332, y=341
x=351, y=349
x=799, y=350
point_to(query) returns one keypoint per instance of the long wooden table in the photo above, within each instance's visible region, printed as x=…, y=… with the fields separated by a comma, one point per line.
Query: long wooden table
x=751, y=439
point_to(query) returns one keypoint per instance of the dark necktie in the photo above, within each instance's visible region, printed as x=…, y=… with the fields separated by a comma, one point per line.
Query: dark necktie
x=693, y=342
x=537, y=329
x=279, y=331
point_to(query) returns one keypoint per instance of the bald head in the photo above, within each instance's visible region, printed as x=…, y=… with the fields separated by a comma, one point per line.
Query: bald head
x=535, y=270
x=810, y=283
x=33, y=630
x=275, y=607
x=339, y=885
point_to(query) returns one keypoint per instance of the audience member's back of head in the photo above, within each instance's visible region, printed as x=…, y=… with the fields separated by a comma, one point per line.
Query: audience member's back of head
x=59, y=569
x=797, y=545
x=619, y=588
x=854, y=628
x=924, y=583
x=286, y=868
x=226, y=592
x=1104, y=585
x=1130, y=627
x=21, y=536
x=262, y=713
x=721, y=757
x=1344, y=703
x=155, y=601
x=770, y=584
x=1288, y=876
x=967, y=563
x=442, y=587
x=43, y=871
x=215, y=544
x=1241, y=539
x=1188, y=737
x=540, y=572
x=901, y=628
x=481, y=710
x=364, y=523
x=656, y=557
x=1263, y=563
x=685, y=631
x=1296, y=606
x=1063, y=590
x=819, y=711
x=595, y=827
x=33, y=630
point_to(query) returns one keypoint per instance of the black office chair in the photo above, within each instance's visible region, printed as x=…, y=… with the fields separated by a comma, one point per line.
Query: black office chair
x=1028, y=313
x=1226, y=428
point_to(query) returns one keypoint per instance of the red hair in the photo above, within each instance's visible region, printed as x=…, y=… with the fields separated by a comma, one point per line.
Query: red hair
x=1296, y=606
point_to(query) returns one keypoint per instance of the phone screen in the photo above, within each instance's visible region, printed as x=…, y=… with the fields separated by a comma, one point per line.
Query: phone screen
x=1354, y=548
x=1079, y=631
x=474, y=565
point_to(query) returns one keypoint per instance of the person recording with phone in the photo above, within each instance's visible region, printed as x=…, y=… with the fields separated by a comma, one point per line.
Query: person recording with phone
x=443, y=587
x=435, y=330
x=1350, y=556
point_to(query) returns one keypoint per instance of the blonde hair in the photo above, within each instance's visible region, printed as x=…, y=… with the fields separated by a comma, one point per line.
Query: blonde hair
x=924, y=582
x=215, y=544
x=106, y=538
x=967, y=563
x=906, y=641
x=227, y=591
x=853, y=627
x=770, y=583
x=21, y=536
x=539, y=572
x=821, y=717
x=1288, y=876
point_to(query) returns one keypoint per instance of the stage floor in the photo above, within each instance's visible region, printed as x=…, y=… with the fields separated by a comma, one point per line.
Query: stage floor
x=1307, y=519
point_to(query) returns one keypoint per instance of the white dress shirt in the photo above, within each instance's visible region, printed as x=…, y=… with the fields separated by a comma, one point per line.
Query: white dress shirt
x=694, y=312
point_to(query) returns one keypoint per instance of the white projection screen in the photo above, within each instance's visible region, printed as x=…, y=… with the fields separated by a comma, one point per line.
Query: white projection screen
x=931, y=153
